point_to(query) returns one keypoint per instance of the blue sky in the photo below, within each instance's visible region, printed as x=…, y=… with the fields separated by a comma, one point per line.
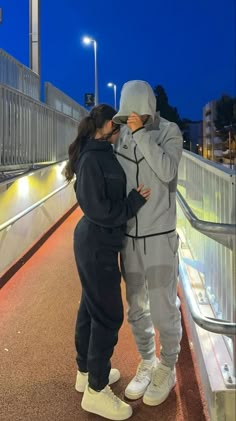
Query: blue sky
x=189, y=47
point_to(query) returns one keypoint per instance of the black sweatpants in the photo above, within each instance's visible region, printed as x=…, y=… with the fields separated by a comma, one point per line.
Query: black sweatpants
x=100, y=314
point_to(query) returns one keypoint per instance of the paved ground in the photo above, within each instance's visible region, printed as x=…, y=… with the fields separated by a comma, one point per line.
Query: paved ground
x=38, y=307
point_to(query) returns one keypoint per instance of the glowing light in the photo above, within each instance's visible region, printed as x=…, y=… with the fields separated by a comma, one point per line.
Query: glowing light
x=87, y=40
x=113, y=85
x=23, y=186
x=60, y=170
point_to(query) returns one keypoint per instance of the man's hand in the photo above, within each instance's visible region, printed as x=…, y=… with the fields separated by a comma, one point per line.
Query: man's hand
x=134, y=122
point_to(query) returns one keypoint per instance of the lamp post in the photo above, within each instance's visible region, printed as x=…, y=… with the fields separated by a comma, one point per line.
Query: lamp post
x=113, y=85
x=34, y=44
x=230, y=129
x=87, y=41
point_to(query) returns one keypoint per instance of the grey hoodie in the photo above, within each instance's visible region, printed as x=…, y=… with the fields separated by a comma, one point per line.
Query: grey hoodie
x=149, y=156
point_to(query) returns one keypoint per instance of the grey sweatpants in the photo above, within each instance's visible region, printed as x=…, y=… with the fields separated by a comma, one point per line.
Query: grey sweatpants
x=150, y=270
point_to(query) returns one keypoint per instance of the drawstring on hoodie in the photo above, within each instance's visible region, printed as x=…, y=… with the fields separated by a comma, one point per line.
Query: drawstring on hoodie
x=144, y=244
x=133, y=241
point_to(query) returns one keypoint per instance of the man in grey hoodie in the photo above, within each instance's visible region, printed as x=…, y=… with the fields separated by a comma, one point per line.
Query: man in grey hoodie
x=149, y=149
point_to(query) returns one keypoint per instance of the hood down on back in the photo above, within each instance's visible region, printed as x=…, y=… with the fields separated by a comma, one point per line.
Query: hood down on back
x=136, y=96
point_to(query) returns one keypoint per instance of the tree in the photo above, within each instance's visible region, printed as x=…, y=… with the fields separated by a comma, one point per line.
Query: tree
x=225, y=122
x=166, y=110
x=171, y=113
x=225, y=112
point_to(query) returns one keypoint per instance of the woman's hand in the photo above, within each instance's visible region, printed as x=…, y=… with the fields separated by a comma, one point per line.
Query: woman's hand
x=144, y=192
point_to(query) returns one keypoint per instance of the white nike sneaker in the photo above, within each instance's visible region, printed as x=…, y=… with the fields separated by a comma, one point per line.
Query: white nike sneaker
x=82, y=379
x=163, y=380
x=136, y=388
x=105, y=404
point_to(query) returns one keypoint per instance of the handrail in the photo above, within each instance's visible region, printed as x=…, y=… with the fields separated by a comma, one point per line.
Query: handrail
x=11, y=221
x=204, y=226
x=221, y=327
x=211, y=229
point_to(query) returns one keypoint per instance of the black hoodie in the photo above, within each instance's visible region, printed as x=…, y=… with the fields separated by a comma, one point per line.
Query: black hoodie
x=101, y=187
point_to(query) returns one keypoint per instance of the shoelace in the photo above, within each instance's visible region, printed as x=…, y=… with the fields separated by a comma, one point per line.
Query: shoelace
x=111, y=397
x=142, y=371
x=159, y=376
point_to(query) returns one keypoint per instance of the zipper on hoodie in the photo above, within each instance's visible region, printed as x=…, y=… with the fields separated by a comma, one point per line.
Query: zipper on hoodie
x=137, y=181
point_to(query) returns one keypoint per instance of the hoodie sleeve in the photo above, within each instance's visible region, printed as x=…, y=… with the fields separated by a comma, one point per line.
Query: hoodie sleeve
x=99, y=208
x=162, y=158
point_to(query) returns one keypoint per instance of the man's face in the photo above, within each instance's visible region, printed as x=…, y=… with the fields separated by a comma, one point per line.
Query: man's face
x=144, y=118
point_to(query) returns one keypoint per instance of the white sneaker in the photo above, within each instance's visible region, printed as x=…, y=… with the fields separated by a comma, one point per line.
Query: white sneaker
x=82, y=379
x=105, y=404
x=141, y=380
x=163, y=380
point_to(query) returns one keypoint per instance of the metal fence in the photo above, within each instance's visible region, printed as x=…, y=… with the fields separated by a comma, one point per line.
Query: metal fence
x=31, y=132
x=208, y=187
x=209, y=190
x=63, y=103
x=16, y=75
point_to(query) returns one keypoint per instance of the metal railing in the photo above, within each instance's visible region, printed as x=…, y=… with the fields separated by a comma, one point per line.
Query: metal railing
x=209, y=232
x=212, y=325
x=222, y=233
x=31, y=132
x=215, y=325
x=63, y=103
x=208, y=187
x=20, y=215
x=14, y=74
x=202, y=183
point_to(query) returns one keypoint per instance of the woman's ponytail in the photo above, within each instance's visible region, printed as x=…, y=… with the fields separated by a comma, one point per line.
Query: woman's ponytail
x=86, y=130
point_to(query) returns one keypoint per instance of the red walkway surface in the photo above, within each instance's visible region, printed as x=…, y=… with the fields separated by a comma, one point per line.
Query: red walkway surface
x=38, y=308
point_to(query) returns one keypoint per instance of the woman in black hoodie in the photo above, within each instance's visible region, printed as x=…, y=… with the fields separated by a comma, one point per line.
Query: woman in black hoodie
x=101, y=193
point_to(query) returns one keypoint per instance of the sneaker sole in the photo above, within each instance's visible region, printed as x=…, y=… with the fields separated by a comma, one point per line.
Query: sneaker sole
x=134, y=397
x=157, y=402
x=109, y=417
x=79, y=389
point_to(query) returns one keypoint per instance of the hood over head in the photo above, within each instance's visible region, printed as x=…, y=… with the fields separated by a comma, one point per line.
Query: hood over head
x=136, y=96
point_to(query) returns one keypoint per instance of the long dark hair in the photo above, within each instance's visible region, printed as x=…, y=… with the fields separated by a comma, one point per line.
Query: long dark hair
x=86, y=130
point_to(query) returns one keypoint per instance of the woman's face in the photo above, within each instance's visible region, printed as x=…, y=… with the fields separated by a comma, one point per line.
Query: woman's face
x=114, y=137
x=116, y=132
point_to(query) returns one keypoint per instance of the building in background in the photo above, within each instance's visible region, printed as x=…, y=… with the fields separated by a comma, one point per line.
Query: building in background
x=212, y=142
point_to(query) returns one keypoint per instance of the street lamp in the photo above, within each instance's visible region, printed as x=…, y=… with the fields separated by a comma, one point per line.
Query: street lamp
x=87, y=41
x=34, y=43
x=113, y=85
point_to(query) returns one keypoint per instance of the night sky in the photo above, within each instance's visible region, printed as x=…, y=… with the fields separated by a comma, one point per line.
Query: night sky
x=187, y=46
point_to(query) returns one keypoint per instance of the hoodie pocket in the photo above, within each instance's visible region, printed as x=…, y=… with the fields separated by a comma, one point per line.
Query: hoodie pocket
x=173, y=240
x=161, y=204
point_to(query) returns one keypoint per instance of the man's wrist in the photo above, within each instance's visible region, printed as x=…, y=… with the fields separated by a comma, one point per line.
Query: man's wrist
x=136, y=130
